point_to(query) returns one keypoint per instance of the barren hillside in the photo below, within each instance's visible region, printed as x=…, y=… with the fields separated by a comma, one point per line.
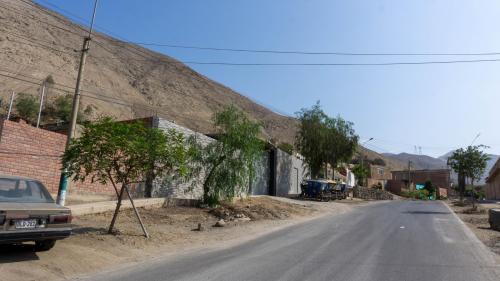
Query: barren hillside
x=121, y=79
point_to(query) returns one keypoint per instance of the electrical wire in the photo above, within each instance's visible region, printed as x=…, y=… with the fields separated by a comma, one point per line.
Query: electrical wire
x=297, y=52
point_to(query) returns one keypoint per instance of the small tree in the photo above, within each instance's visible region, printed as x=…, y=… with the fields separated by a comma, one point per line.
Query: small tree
x=124, y=153
x=27, y=107
x=469, y=163
x=477, y=163
x=229, y=162
x=361, y=173
x=430, y=188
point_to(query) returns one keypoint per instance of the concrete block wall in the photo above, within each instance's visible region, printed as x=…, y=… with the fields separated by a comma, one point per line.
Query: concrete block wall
x=290, y=171
x=174, y=187
x=35, y=153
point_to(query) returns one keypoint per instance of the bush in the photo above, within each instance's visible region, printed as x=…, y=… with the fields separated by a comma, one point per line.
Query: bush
x=421, y=194
x=27, y=107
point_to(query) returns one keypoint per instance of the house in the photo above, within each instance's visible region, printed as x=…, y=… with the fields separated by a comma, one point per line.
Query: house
x=441, y=178
x=493, y=182
x=378, y=174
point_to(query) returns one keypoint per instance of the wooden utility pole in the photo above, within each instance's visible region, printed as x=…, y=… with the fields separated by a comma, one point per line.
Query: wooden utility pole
x=63, y=182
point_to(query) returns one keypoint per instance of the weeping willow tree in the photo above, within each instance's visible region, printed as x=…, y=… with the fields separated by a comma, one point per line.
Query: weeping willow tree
x=229, y=162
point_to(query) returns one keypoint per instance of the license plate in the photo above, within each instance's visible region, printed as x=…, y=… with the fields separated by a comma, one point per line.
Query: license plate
x=25, y=224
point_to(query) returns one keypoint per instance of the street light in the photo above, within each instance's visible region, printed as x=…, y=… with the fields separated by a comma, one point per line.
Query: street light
x=361, y=156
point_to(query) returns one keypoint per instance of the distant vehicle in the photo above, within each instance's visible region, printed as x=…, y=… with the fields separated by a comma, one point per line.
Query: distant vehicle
x=28, y=213
x=323, y=190
x=316, y=189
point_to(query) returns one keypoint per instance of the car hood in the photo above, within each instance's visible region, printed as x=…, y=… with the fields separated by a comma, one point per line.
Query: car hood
x=13, y=206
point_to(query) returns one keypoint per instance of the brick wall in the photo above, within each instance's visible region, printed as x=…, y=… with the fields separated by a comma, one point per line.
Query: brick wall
x=31, y=152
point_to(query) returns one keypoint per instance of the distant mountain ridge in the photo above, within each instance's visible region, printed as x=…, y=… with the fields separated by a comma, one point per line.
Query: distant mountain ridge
x=421, y=162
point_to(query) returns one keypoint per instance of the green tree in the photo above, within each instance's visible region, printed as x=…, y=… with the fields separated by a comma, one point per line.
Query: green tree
x=124, y=153
x=229, y=162
x=378, y=161
x=361, y=173
x=324, y=140
x=311, y=137
x=341, y=141
x=431, y=189
x=27, y=107
x=469, y=163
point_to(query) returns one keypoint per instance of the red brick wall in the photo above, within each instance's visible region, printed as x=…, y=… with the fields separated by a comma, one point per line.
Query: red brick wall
x=30, y=152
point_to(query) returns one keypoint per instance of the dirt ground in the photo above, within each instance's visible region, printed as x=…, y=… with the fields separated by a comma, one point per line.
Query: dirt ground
x=478, y=223
x=172, y=230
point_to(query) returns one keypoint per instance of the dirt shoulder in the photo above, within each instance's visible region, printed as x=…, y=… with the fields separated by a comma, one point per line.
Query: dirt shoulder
x=477, y=221
x=172, y=230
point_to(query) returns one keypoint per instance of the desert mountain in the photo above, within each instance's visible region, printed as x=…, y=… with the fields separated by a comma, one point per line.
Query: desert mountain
x=418, y=161
x=121, y=79
x=428, y=162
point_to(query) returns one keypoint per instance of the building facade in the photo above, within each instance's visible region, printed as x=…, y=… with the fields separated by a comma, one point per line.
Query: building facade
x=441, y=178
x=493, y=183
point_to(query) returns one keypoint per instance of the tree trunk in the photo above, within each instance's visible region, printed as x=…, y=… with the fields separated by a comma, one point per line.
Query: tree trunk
x=473, y=194
x=115, y=215
x=206, y=187
x=461, y=186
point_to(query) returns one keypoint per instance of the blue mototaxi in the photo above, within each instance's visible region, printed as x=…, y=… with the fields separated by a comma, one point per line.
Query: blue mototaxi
x=317, y=189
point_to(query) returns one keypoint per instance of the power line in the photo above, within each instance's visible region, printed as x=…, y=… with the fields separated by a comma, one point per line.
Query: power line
x=298, y=52
x=307, y=64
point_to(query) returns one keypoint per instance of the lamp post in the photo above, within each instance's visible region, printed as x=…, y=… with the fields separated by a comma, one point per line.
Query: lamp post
x=361, y=156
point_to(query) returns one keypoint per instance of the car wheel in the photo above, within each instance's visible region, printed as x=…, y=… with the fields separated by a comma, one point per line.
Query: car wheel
x=44, y=245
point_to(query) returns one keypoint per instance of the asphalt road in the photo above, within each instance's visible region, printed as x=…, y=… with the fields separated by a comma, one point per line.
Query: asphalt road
x=399, y=240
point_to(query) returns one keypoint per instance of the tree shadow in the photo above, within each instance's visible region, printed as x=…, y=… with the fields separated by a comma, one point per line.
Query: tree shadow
x=17, y=253
x=426, y=213
x=84, y=230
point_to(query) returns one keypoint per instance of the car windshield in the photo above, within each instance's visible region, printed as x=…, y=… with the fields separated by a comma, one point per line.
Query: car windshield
x=23, y=191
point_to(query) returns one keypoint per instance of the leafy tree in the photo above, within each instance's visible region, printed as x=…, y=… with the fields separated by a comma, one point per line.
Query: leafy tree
x=458, y=162
x=229, y=162
x=61, y=108
x=27, y=107
x=124, y=153
x=431, y=189
x=323, y=140
x=361, y=173
x=378, y=161
x=341, y=141
x=469, y=163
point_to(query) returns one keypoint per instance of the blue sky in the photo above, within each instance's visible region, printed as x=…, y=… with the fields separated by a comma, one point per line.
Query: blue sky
x=436, y=107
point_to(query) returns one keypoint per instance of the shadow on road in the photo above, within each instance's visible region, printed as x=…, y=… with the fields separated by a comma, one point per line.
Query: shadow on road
x=17, y=253
x=426, y=213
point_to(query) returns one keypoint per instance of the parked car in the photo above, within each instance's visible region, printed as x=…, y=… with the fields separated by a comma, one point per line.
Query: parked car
x=28, y=213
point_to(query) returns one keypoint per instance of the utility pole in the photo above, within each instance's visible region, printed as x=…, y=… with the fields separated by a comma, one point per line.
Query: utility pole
x=10, y=104
x=41, y=105
x=63, y=182
x=409, y=175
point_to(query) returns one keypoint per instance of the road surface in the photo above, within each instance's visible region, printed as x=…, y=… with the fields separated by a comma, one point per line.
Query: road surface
x=398, y=240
